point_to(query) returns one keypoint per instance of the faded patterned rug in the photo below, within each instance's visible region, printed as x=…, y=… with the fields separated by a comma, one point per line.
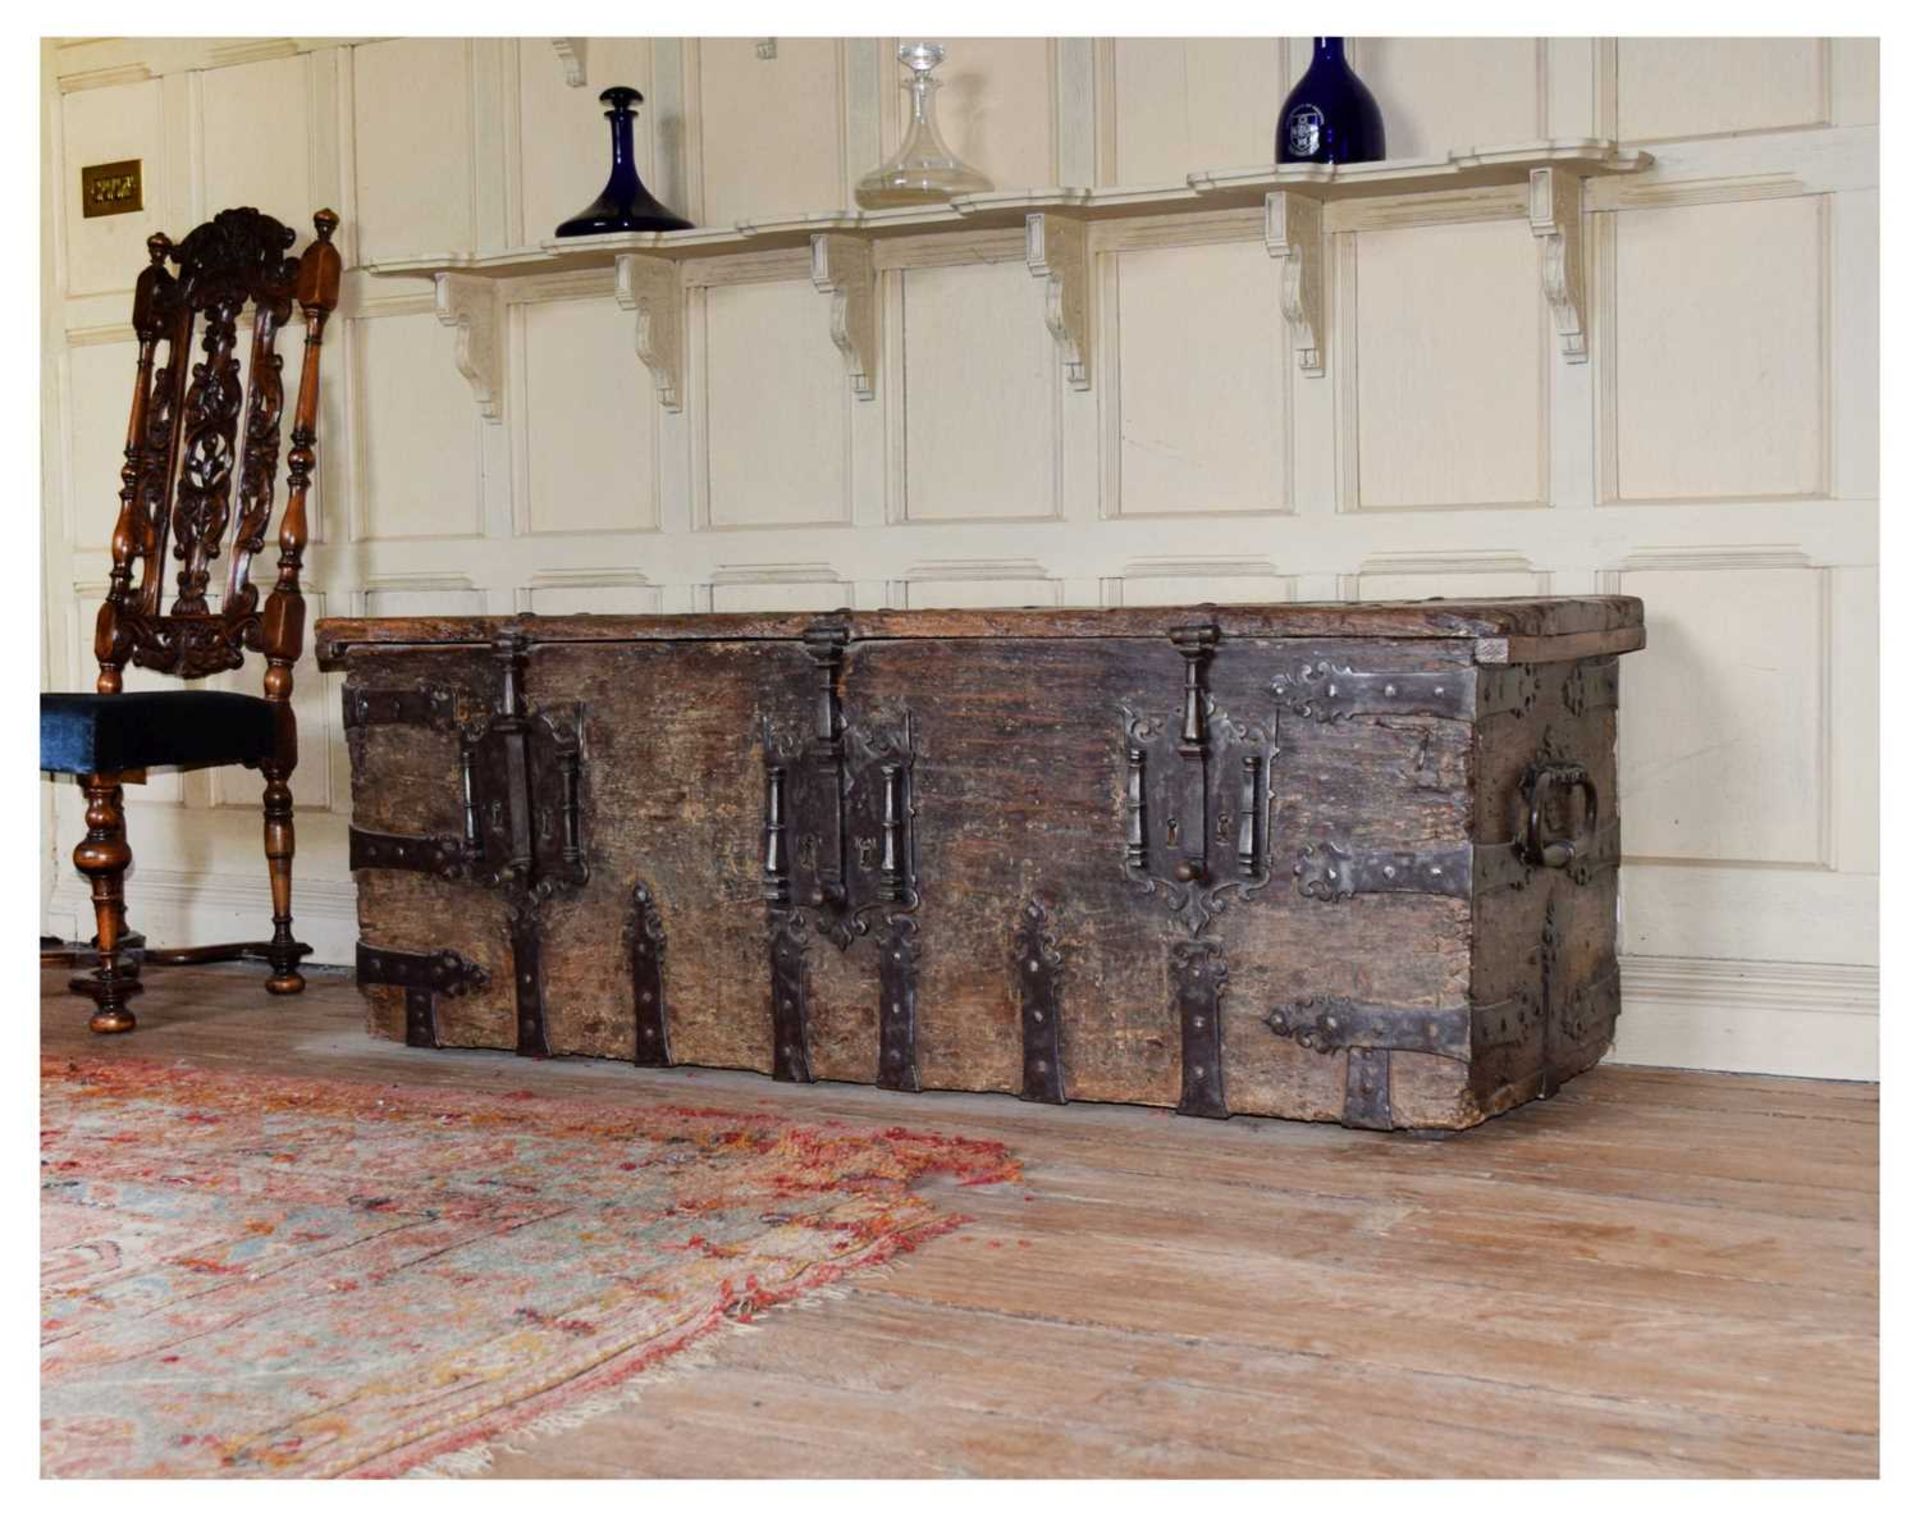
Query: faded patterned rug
x=251, y=1275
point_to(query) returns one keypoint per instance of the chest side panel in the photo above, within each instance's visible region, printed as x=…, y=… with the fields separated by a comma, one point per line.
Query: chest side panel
x=1552, y=942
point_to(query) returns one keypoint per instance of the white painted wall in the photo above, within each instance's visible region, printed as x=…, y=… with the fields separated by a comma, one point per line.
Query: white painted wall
x=1717, y=455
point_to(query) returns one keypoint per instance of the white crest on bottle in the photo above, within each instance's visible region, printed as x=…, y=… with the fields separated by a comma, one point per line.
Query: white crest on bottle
x=1303, y=130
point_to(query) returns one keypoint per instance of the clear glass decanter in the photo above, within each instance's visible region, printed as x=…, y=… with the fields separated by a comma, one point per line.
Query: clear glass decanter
x=924, y=171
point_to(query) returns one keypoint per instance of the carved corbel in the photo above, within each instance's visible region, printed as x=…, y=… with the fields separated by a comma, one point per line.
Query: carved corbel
x=651, y=289
x=1293, y=236
x=843, y=268
x=573, y=58
x=470, y=305
x=1057, y=253
x=1553, y=211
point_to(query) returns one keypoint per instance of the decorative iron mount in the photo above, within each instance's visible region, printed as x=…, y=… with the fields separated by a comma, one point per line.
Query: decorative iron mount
x=838, y=849
x=839, y=809
x=1370, y=1033
x=1199, y=795
x=424, y=977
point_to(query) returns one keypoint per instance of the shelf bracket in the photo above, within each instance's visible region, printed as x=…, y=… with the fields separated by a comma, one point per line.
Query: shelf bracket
x=470, y=305
x=1057, y=253
x=1293, y=237
x=573, y=59
x=1553, y=211
x=843, y=268
x=651, y=289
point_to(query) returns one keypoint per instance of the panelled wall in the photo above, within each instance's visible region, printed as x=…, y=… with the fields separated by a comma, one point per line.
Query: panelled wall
x=1715, y=456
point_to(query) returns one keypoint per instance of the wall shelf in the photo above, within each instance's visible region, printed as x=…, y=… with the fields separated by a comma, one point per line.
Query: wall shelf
x=844, y=247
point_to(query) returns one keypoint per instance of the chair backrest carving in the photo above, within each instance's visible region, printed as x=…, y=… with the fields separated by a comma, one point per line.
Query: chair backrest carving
x=201, y=457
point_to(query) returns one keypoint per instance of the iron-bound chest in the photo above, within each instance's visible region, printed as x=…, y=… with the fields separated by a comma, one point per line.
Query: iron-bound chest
x=1337, y=862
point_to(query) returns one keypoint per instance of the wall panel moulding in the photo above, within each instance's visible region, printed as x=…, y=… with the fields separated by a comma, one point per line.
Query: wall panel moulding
x=654, y=269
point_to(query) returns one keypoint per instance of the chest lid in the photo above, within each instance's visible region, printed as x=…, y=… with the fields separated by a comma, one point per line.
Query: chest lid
x=1501, y=630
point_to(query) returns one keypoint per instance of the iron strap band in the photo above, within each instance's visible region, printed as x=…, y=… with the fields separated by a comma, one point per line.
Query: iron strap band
x=405, y=706
x=1036, y=969
x=424, y=977
x=899, y=1067
x=787, y=963
x=646, y=944
x=444, y=856
x=443, y=971
x=1326, y=1024
x=1336, y=871
x=529, y=986
x=1199, y=974
x=1591, y=685
x=1324, y=691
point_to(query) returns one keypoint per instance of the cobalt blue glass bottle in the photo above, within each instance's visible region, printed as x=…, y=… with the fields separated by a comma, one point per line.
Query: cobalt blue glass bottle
x=1331, y=117
x=624, y=205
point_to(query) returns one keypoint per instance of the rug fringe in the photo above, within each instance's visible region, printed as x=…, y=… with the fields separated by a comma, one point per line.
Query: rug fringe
x=704, y=1348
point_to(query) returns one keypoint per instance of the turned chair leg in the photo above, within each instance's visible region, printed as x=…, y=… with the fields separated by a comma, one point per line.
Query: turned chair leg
x=283, y=953
x=102, y=856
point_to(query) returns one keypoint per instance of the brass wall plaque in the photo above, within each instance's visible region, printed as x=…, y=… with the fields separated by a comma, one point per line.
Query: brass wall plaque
x=110, y=189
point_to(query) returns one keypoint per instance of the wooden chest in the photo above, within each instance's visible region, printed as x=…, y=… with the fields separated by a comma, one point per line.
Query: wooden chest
x=1350, y=863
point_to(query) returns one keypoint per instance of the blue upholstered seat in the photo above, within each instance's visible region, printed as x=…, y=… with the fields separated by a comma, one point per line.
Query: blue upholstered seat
x=108, y=734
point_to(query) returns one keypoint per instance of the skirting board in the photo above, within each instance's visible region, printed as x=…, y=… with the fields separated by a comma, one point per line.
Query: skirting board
x=1818, y=1021
x=175, y=907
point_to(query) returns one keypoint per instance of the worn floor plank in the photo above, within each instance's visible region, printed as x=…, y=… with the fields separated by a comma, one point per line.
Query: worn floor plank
x=1657, y=1273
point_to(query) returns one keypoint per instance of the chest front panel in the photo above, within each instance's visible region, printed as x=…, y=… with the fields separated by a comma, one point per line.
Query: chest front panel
x=1284, y=876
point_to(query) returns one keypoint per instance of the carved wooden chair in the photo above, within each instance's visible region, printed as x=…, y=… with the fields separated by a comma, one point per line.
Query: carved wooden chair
x=192, y=467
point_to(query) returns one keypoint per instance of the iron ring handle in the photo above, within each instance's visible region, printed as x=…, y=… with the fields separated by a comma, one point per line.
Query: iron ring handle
x=1558, y=852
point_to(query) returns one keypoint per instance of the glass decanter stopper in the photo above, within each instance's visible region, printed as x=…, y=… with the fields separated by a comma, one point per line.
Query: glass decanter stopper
x=624, y=205
x=924, y=171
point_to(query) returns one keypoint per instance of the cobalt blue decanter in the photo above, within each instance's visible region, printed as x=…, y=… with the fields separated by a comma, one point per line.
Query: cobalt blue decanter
x=624, y=205
x=1331, y=117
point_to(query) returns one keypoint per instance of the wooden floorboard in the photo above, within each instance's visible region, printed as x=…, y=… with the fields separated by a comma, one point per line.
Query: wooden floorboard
x=1658, y=1272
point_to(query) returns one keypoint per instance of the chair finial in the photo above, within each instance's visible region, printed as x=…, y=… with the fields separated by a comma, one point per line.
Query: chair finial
x=158, y=246
x=324, y=223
